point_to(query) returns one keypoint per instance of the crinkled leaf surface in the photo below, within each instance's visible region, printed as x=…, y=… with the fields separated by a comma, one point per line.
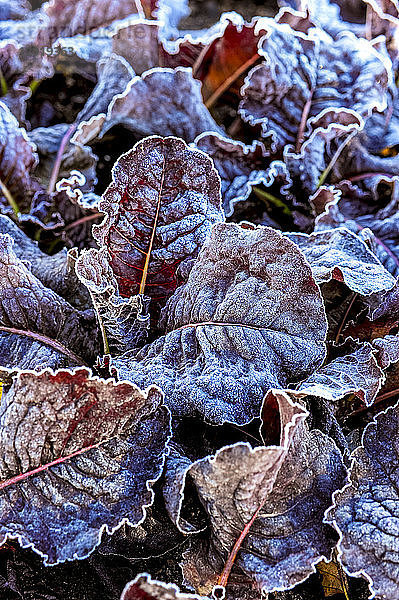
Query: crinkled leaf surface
x=55, y=272
x=79, y=456
x=160, y=209
x=163, y=102
x=125, y=320
x=340, y=254
x=70, y=17
x=382, y=227
x=144, y=587
x=250, y=317
x=366, y=510
x=355, y=373
x=21, y=351
x=305, y=75
x=326, y=14
x=292, y=485
x=26, y=304
x=388, y=350
x=240, y=167
x=18, y=157
x=386, y=232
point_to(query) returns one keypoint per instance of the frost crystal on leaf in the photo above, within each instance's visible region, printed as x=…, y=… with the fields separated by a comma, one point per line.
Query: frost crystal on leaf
x=366, y=510
x=287, y=487
x=159, y=209
x=250, y=317
x=305, y=76
x=84, y=451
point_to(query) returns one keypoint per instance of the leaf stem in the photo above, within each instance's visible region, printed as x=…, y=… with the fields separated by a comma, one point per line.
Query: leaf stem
x=10, y=198
x=367, y=175
x=57, y=164
x=230, y=80
x=200, y=58
x=57, y=461
x=100, y=324
x=344, y=318
x=34, y=85
x=334, y=159
x=368, y=30
x=148, y=255
x=302, y=125
x=222, y=581
x=3, y=84
x=47, y=341
x=82, y=220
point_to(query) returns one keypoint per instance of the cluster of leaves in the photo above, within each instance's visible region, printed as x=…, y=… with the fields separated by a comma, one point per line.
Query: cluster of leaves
x=199, y=359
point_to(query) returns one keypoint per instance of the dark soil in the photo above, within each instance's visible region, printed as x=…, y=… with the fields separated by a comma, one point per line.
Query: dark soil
x=205, y=13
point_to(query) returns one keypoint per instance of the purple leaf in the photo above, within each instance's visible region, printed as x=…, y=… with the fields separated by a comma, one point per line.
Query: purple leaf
x=286, y=487
x=14, y=10
x=138, y=43
x=19, y=66
x=18, y=158
x=143, y=587
x=176, y=469
x=113, y=75
x=28, y=350
x=67, y=18
x=340, y=254
x=124, y=320
x=160, y=209
x=162, y=102
x=79, y=455
x=355, y=373
x=316, y=155
x=388, y=350
x=47, y=141
x=55, y=272
x=26, y=304
x=250, y=317
x=240, y=167
x=305, y=76
x=326, y=14
x=366, y=510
